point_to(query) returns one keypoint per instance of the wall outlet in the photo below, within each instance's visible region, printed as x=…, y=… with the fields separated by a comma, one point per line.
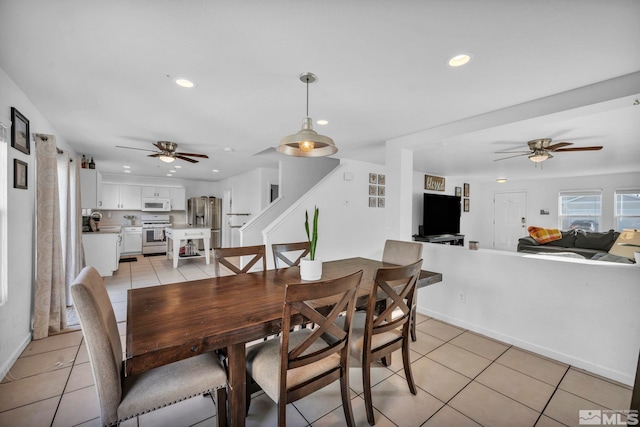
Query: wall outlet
x=462, y=297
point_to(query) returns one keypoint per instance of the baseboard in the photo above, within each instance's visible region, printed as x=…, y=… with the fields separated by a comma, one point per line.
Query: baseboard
x=577, y=362
x=4, y=369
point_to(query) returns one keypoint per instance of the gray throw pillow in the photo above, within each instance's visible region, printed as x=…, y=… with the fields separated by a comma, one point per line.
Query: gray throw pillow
x=568, y=240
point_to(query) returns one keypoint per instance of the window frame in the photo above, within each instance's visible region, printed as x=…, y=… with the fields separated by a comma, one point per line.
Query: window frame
x=617, y=216
x=597, y=218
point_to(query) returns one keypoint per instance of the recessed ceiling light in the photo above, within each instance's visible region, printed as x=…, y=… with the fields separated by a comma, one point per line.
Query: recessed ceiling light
x=169, y=174
x=322, y=122
x=501, y=180
x=215, y=170
x=177, y=166
x=172, y=171
x=127, y=171
x=126, y=167
x=229, y=149
x=184, y=83
x=459, y=60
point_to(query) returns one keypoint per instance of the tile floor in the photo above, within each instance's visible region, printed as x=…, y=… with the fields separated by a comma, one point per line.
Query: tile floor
x=463, y=379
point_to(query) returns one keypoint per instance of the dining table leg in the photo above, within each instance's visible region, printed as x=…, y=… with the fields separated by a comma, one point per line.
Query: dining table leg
x=237, y=379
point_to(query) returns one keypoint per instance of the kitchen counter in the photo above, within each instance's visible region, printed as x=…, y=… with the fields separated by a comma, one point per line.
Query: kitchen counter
x=106, y=229
x=177, y=234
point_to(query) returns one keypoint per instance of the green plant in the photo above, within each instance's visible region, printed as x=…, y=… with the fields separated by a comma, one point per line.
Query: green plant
x=312, y=238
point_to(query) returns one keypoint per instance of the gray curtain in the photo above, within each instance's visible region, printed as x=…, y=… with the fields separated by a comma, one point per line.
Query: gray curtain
x=50, y=314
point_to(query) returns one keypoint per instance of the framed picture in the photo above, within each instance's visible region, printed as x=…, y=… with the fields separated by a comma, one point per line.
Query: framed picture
x=434, y=183
x=381, y=190
x=19, y=174
x=373, y=190
x=20, y=132
x=382, y=179
x=373, y=178
x=458, y=191
x=381, y=202
x=466, y=190
x=372, y=202
x=466, y=205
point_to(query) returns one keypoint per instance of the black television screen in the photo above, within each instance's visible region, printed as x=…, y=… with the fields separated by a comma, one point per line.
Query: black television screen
x=440, y=214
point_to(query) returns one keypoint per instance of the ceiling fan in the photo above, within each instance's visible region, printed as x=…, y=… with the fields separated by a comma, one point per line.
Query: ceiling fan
x=168, y=152
x=541, y=149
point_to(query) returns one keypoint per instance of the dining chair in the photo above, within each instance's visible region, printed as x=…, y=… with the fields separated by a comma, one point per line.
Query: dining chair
x=222, y=255
x=306, y=360
x=375, y=335
x=284, y=252
x=120, y=397
x=403, y=253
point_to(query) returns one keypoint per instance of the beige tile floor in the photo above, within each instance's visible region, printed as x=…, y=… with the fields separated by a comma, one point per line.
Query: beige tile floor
x=463, y=379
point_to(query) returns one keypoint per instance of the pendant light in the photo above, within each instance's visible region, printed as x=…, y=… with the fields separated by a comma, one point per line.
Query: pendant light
x=307, y=142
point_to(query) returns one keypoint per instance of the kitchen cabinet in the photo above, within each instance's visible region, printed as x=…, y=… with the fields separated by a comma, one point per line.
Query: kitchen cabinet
x=102, y=251
x=121, y=196
x=132, y=240
x=164, y=192
x=90, y=189
x=178, y=199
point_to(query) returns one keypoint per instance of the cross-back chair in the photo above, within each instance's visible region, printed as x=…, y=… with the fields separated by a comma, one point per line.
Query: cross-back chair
x=282, y=253
x=120, y=397
x=304, y=361
x=222, y=255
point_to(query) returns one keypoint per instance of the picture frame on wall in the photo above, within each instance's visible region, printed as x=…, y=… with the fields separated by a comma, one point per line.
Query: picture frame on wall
x=466, y=205
x=382, y=179
x=458, y=191
x=381, y=190
x=372, y=202
x=373, y=190
x=20, y=174
x=20, y=131
x=373, y=178
x=381, y=202
x=466, y=190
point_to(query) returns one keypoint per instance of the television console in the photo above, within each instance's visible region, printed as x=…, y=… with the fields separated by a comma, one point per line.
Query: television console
x=445, y=239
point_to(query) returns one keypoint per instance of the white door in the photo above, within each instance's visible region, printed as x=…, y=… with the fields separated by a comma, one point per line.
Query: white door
x=509, y=220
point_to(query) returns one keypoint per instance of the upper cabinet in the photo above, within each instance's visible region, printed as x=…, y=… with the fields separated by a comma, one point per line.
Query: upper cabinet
x=178, y=199
x=121, y=196
x=90, y=189
x=164, y=192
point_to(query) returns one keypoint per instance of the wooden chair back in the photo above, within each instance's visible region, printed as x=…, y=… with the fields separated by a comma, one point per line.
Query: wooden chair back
x=282, y=253
x=222, y=255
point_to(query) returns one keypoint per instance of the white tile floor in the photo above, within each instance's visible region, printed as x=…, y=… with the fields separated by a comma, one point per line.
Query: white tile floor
x=463, y=379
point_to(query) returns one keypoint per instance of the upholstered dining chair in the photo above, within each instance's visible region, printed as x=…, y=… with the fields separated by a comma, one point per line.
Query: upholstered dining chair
x=403, y=253
x=306, y=360
x=222, y=255
x=375, y=335
x=285, y=253
x=120, y=397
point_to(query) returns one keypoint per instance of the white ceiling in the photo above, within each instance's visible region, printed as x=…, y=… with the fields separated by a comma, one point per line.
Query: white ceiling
x=102, y=73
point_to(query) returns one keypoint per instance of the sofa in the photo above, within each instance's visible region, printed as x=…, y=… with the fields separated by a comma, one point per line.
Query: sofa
x=591, y=245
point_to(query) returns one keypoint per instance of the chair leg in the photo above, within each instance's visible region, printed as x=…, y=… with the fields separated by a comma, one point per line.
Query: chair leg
x=366, y=384
x=407, y=366
x=221, y=406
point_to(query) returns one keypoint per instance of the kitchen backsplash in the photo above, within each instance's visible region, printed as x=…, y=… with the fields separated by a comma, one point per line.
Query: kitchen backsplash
x=118, y=217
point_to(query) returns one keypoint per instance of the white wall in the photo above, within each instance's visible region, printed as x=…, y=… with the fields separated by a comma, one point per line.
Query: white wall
x=193, y=188
x=581, y=312
x=16, y=312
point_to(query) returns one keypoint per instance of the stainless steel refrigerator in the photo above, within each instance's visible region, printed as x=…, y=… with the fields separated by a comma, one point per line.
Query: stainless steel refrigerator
x=206, y=212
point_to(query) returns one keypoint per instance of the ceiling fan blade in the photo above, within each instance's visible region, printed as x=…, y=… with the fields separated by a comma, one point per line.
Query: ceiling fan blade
x=511, y=152
x=186, y=158
x=204, y=156
x=594, y=148
x=132, y=148
x=158, y=146
x=554, y=147
x=510, y=157
x=155, y=155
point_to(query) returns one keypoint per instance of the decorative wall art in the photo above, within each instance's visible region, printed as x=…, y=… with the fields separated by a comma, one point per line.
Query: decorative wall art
x=458, y=191
x=433, y=183
x=20, y=132
x=466, y=190
x=377, y=188
x=19, y=174
x=466, y=205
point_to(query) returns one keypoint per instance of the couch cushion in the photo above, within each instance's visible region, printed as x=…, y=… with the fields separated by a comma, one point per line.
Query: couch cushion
x=598, y=241
x=568, y=239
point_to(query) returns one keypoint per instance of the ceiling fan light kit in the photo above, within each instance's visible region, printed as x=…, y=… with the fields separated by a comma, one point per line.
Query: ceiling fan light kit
x=307, y=142
x=168, y=152
x=541, y=149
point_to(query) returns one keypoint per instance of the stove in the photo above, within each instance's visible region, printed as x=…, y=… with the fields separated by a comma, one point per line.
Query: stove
x=154, y=240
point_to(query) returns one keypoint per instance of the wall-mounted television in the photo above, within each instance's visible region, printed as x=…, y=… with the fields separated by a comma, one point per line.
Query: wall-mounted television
x=440, y=214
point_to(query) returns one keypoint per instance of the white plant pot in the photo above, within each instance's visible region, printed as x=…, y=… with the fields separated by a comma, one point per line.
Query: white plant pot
x=310, y=270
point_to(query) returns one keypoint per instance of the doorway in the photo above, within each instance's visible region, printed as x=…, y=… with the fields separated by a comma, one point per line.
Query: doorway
x=509, y=220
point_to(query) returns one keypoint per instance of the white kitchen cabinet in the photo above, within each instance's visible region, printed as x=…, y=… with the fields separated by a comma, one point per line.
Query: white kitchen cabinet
x=121, y=196
x=90, y=189
x=178, y=199
x=132, y=240
x=164, y=192
x=101, y=251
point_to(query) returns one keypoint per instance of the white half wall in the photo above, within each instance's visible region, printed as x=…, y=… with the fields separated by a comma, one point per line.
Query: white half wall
x=584, y=313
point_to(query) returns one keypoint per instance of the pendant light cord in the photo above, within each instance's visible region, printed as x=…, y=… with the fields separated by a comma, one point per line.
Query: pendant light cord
x=307, y=79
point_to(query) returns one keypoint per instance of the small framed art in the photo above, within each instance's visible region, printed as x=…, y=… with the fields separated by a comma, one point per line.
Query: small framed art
x=458, y=191
x=20, y=131
x=372, y=202
x=373, y=190
x=382, y=179
x=381, y=190
x=19, y=174
x=466, y=205
x=466, y=190
x=381, y=202
x=373, y=178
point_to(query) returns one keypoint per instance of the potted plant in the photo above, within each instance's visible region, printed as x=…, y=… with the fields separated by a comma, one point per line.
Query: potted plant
x=310, y=267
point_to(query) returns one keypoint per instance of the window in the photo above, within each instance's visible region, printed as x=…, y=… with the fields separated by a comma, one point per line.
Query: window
x=627, y=209
x=580, y=210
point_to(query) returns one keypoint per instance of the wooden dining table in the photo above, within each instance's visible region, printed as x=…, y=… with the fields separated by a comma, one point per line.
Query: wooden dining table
x=167, y=323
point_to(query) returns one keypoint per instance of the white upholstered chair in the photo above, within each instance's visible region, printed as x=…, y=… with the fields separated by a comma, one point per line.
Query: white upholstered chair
x=121, y=397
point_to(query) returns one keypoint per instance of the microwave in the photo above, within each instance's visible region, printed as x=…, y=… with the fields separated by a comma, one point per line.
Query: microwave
x=153, y=204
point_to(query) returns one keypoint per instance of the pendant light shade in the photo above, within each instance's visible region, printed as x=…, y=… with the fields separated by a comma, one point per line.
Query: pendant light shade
x=307, y=142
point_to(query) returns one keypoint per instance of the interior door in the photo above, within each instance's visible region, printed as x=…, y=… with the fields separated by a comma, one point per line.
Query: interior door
x=509, y=219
